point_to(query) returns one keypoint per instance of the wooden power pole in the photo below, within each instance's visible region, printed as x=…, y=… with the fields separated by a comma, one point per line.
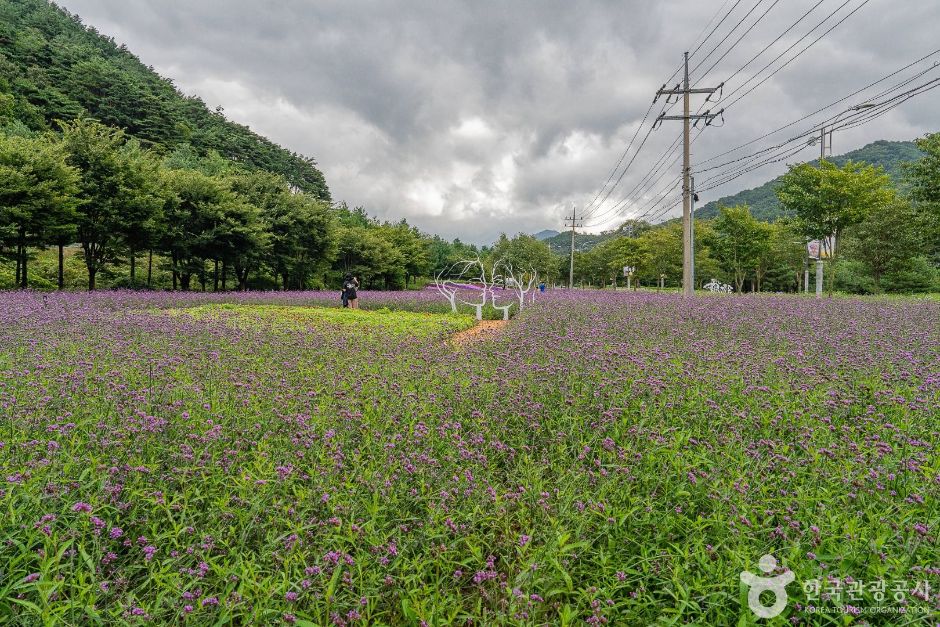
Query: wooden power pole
x=686, y=118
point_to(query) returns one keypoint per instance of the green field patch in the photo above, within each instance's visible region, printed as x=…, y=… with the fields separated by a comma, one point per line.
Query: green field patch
x=293, y=318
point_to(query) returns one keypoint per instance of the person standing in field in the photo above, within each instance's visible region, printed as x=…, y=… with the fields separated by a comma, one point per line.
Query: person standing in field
x=344, y=294
x=350, y=286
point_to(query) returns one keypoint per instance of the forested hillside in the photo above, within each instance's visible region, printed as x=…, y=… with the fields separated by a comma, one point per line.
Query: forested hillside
x=54, y=68
x=110, y=177
x=763, y=200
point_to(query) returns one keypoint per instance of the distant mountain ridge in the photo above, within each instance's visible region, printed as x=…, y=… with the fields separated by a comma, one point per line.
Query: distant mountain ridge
x=546, y=234
x=763, y=201
x=561, y=243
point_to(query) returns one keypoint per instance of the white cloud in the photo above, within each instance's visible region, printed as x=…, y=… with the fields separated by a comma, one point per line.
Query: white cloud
x=472, y=118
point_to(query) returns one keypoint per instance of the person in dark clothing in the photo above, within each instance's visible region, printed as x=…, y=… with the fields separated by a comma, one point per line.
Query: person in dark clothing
x=344, y=294
x=350, y=287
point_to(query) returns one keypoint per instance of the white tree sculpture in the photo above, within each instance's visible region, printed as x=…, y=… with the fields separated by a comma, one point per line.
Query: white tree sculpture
x=455, y=289
x=470, y=276
x=520, y=282
x=477, y=282
x=448, y=288
x=496, y=277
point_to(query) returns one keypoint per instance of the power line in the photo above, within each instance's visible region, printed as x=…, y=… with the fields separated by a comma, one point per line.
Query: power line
x=622, y=157
x=597, y=218
x=797, y=55
x=717, y=26
x=740, y=39
x=779, y=37
x=857, y=117
x=644, y=184
x=592, y=207
x=731, y=32
x=593, y=215
x=686, y=119
x=832, y=104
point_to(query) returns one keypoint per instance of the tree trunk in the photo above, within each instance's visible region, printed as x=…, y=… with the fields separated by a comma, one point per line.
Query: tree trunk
x=285, y=277
x=836, y=238
x=149, y=266
x=24, y=277
x=61, y=267
x=133, y=267
x=19, y=266
x=215, y=276
x=185, y=278
x=175, y=275
x=92, y=272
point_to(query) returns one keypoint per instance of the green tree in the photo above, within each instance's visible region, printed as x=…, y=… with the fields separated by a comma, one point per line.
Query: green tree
x=741, y=240
x=239, y=233
x=829, y=199
x=664, y=244
x=614, y=254
x=37, y=196
x=888, y=239
x=412, y=246
x=525, y=253
x=706, y=266
x=362, y=252
x=763, y=253
x=201, y=217
x=94, y=150
x=924, y=178
x=786, y=260
x=144, y=196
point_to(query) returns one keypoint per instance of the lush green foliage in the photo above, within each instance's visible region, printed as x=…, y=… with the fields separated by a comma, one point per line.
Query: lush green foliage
x=199, y=219
x=525, y=253
x=924, y=178
x=827, y=199
x=52, y=68
x=763, y=201
x=887, y=239
x=37, y=197
x=610, y=458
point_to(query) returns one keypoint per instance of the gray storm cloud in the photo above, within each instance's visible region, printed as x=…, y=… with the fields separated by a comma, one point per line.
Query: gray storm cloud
x=475, y=118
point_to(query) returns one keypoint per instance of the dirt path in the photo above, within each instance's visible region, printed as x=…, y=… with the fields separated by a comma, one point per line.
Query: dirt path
x=482, y=330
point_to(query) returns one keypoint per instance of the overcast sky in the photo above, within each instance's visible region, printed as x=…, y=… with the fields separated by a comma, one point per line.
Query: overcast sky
x=476, y=117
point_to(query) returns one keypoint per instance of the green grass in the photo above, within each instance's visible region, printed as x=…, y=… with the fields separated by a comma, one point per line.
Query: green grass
x=607, y=456
x=292, y=318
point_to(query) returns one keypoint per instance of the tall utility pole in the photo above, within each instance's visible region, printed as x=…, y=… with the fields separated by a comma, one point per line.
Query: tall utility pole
x=573, y=218
x=686, y=118
x=819, y=261
x=694, y=197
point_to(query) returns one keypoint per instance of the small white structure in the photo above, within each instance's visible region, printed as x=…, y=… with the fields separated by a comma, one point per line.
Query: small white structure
x=717, y=286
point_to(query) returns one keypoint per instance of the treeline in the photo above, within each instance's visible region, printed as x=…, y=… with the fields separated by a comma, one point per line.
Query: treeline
x=887, y=236
x=53, y=68
x=142, y=220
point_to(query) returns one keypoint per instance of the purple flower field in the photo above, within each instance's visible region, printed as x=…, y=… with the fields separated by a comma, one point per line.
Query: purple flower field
x=609, y=458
